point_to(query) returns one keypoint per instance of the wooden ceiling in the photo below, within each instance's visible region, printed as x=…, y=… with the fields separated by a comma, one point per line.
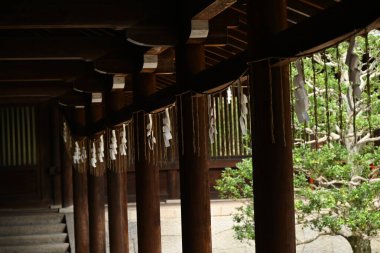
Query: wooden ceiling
x=53, y=49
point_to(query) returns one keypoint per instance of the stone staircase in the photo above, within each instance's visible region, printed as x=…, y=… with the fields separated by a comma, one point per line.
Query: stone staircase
x=41, y=231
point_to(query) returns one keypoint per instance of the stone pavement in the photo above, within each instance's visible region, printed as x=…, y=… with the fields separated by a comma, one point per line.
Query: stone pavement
x=222, y=233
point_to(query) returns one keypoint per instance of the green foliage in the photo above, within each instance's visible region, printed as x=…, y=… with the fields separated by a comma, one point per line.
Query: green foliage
x=237, y=184
x=337, y=202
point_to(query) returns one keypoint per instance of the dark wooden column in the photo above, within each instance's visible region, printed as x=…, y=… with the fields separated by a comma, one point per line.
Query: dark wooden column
x=82, y=241
x=96, y=194
x=193, y=154
x=117, y=191
x=55, y=167
x=66, y=173
x=271, y=135
x=173, y=184
x=147, y=175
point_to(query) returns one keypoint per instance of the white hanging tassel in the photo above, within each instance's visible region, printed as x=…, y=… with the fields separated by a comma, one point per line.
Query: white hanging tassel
x=229, y=95
x=64, y=134
x=166, y=128
x=77, y=155
x=84, y=154
x=93, y=155
x=123, y=145
x=243, y=114
x=212, y=120
x=101, y=149
x=300, y=94
x=352, y=61
x=113, y=146
x=149, y=134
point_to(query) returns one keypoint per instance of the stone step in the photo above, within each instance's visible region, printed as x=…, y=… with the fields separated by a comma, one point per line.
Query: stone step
x=32, y=239
x=50, y=218
x=42, y=248
x=32, y=230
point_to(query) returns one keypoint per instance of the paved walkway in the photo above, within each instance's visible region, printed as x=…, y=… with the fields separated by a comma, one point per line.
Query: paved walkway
x=222, y=233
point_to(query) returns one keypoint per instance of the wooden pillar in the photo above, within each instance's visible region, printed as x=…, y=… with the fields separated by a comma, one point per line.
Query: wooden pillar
x=147, y=175
x=271, y=134
x=173, y=184
x=82, y=241
x=66, y=176
x=96, y=195
x=193, y=154
x=117, y=192
x=55, y=167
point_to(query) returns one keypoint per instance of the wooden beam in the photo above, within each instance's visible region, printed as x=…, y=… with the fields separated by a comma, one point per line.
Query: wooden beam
x=162, y=63
x=93, y=82
x=328, y=28
x=167, y=25
x=73, y=99
x=43, y=70
x=34, y=89
x=152, y=35
x=59, y=47
x=69, y=14
x=125, y=61
x=215, y=8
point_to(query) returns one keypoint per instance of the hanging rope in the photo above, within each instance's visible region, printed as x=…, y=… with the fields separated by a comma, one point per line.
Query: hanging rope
x=368, y=82
x=327, y=96
x=292, y=102
x=339, y=77
x=315, y=103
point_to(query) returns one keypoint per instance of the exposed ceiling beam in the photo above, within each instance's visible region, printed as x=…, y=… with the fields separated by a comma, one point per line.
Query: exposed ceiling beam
x=34, y=89
x=43, y=70
x=74, y=98
x=214, y=9
x=93, y=82
x=60, y=47
x=71, y=14
x=322, y=30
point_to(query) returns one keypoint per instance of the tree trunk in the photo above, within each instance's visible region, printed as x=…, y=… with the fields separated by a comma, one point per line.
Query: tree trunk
x=359, y=244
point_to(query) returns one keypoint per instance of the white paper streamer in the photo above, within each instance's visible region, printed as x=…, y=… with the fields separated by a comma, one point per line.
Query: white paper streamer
x=77, y=155
x=123, y=145
x=212, y=120
x=300, y=94
x=101, y=149
x=243, y=113
x=84, y=154
x=166, y=128
x=149, y=134
x=352, y=61
x=93, y=155
x=64, y=132
x=113, y=146
x=229, y=95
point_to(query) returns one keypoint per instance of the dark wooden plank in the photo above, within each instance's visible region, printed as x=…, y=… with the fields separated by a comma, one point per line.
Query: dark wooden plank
x=43, y=70
x=39, y=14
x=59, y=47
